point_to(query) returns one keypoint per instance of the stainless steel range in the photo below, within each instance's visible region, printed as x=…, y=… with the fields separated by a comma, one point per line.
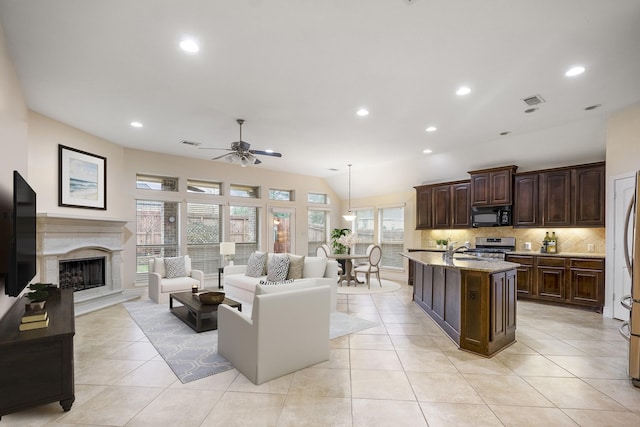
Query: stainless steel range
x=492, y=247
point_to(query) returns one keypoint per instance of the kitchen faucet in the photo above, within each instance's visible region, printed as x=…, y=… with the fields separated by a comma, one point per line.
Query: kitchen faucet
x=451, y=250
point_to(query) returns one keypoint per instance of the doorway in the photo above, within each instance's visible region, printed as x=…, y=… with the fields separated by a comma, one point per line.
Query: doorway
x=624, y=188
x=282, y=236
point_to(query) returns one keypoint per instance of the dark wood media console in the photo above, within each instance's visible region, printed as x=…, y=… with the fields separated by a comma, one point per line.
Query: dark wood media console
x=36, y=366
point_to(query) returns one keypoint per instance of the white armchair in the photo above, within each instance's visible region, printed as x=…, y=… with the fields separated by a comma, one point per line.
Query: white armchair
x=162, y=284
x=287, y=331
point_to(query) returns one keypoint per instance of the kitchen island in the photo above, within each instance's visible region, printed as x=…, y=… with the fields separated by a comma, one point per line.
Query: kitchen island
x=473, y=300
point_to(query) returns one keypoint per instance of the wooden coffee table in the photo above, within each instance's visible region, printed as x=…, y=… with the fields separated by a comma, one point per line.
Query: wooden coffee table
x=200, y=317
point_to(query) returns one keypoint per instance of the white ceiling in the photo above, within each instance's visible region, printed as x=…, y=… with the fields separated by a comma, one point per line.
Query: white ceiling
x=298, y=70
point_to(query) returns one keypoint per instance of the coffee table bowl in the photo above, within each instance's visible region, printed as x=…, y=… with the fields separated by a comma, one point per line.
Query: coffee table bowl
x=211, y=297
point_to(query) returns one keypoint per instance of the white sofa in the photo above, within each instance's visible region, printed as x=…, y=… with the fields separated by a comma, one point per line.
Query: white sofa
x=160, y=286
x=237, y=285
x=288, y=330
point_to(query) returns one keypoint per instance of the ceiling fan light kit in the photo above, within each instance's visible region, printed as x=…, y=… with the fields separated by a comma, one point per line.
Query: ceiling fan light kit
x=241, y=152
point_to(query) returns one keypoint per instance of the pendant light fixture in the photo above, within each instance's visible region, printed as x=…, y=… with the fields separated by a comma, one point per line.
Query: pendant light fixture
x=349, y=216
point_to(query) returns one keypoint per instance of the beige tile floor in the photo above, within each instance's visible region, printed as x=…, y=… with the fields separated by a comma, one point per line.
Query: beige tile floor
x=567, y=368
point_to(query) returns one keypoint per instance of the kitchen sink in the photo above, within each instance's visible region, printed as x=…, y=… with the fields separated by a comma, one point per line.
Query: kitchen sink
x=468, y=258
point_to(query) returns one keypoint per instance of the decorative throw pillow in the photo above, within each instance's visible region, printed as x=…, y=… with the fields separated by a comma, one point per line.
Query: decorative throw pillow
x=158, y=267
x=256, y=263
x=278, y=268
x=296, y=265
x=282, y=282
x=175, y=267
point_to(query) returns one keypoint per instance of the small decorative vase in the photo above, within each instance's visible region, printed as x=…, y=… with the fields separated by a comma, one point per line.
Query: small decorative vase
x=36, y=305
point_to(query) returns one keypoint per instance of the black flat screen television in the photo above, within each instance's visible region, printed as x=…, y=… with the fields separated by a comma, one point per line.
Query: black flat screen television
x=21, y=265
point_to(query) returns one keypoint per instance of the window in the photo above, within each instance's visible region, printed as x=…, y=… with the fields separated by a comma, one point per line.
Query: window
x=318, y=229
x=391, y=234
x=156, y=233
x=158, y=183
x=318, y=198
x=243, y=229
x=280, y=194
x=244, y=191
x=204, y=224
x=363, y=227
x=203, y=187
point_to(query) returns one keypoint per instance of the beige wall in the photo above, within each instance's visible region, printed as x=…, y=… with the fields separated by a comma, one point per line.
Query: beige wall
x=623, y=142
x=13, y=138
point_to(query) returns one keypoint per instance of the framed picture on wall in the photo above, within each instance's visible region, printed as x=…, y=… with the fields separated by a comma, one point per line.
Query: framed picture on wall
x=82, y=179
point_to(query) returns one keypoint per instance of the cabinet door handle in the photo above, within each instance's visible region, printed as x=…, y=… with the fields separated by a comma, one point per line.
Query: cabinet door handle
x=624, y=303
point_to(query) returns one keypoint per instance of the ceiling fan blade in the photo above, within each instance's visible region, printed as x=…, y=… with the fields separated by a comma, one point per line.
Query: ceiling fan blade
x=213, y=148
x=224, y=155
x=266, y=153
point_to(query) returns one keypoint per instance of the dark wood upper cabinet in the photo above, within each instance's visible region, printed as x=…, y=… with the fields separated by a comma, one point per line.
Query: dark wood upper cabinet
x=525, y=200
x=563, y=197
x=588, y=196
x=424, y=217
x=492, y=187
x=555, y=198
x=445, y=205
x=442, y=206
x=460, y=207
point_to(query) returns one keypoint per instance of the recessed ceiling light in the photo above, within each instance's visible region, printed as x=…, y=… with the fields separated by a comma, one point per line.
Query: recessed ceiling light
x=593, y=107
x=363, y=112
x=575, y=71
x=506, y=132
x=189, y=45
x=431, y=129
x=531, y=110
x=136, y=124
x=463, y=90
x=427, y=151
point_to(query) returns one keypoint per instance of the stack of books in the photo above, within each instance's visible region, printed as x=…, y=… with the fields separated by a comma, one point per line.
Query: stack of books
x=34, y=320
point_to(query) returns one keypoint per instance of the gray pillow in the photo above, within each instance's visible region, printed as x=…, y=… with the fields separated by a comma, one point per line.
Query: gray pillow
x=256, y=263
x=278, y=268
x=282, y=282
x=296, y=266
x=175, y=267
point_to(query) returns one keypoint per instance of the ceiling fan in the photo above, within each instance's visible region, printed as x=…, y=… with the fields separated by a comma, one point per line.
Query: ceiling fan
x=241, y=152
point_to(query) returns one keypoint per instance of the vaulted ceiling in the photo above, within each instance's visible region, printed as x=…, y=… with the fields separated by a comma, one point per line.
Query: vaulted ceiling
x=298, y=71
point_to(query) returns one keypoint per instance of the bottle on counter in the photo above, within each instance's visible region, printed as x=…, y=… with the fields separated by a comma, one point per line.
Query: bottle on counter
x=553, y=244
x=545, y=243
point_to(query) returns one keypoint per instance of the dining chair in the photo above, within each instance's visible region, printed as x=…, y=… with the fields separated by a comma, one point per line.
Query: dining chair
x=373, y=266
x=323, y=251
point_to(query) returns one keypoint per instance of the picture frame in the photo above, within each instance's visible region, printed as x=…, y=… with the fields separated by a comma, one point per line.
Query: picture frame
x=82, y=179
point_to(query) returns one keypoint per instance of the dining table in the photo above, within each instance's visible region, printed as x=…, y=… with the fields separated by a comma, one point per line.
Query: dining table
x=348, y=274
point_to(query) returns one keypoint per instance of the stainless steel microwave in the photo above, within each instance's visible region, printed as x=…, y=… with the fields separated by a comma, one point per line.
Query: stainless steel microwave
x=490, y=216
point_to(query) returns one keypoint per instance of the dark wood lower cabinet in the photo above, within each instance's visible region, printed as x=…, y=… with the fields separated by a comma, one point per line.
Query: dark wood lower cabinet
x=563, y=280
x=476, y=309
x=36, y=366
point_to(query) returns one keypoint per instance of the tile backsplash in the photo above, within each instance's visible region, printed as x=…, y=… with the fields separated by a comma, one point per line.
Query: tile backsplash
x=577, y=240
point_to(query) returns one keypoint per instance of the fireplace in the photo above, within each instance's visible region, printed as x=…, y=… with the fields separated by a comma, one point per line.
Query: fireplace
x=81, y=274
x=84, y=253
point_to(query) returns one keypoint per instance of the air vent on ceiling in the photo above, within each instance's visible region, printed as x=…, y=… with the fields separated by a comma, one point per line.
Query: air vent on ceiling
x=195, y=144
x=533, y=100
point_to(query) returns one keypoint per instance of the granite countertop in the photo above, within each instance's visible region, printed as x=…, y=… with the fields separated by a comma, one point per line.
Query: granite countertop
x=477, y=264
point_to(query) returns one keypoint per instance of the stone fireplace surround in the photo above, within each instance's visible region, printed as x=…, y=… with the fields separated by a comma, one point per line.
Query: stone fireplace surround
x=69, y=237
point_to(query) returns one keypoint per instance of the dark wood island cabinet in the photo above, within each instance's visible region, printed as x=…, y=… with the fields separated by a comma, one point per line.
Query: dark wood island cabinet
x=36, y=366
x=474, y=302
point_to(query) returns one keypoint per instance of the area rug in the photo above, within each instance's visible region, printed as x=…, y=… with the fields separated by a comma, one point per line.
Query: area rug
x=362, y=289
x=193, y=355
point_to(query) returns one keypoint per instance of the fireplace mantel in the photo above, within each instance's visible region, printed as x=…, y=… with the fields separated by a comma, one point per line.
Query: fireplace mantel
x=67, y=237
